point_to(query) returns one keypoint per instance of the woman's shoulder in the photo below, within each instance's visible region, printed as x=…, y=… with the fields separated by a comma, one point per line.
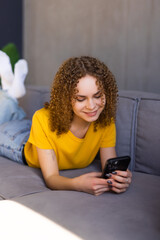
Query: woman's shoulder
x=41, y=113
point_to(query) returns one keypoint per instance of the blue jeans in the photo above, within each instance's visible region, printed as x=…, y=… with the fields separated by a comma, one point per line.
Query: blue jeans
x=13, y=136
x=10, y=109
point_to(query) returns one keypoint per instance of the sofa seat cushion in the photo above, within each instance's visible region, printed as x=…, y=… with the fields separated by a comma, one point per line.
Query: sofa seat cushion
x=19, y=180
x=131, y=215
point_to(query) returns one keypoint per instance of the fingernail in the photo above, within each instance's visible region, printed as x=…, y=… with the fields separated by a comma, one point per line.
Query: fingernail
x=108, y=175
x=114, y=173
x=109, y=182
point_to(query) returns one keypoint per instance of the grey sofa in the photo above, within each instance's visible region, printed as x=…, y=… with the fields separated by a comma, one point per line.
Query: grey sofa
x=29, y=210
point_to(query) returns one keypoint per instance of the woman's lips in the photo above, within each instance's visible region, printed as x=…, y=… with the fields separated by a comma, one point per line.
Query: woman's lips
x=91, y=114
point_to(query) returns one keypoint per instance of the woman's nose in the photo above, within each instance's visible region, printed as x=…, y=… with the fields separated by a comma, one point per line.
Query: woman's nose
x=90, y=104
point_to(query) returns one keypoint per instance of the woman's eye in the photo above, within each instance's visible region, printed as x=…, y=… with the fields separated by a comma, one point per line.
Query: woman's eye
x=80, y=100
x=98, y=96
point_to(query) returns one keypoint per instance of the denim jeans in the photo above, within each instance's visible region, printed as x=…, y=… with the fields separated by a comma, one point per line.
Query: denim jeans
x=13, y=136
x=10, y=109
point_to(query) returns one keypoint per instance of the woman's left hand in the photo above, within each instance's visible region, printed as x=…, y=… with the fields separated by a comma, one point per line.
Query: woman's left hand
x=119, y=181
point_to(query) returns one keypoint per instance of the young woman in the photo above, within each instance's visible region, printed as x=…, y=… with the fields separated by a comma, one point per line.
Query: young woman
x=78, y=121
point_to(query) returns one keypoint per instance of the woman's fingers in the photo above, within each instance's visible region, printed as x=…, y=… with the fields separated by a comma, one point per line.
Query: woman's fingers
x=116, y=184
x=120, y=181
x=101, y=190
x=117, y=190
x=122, y=176
x=94, y=184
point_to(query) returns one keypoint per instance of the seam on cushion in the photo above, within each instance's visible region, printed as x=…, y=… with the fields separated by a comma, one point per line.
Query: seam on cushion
x=27, y=194
x=150, y=99
x=134, y=133
x=133, y=130
x=2, y=197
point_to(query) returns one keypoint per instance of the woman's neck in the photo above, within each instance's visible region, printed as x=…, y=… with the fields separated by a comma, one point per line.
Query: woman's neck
x=79, y=127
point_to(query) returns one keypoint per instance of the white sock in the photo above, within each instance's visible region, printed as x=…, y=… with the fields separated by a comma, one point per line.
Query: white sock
x=6, y=72
x=17, y=89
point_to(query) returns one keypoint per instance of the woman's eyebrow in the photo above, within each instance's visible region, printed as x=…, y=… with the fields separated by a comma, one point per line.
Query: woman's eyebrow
x=85, y=96
x=80, y=95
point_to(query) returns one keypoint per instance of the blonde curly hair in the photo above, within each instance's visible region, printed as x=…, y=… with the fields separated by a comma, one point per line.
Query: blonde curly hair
x=64, y=88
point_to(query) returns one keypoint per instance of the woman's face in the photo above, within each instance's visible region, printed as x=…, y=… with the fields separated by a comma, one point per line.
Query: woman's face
x=89, y=101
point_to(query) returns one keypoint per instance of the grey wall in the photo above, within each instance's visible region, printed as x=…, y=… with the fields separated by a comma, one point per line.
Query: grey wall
x=125, y=34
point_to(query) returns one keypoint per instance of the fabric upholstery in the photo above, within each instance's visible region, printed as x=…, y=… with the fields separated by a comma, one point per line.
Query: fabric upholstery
x=125, y=125
x=132, y=215
x=34, y=99
x=148, y=137
x=19, y=180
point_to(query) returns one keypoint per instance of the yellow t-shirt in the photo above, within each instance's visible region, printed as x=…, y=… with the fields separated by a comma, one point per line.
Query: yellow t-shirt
x=71, y=152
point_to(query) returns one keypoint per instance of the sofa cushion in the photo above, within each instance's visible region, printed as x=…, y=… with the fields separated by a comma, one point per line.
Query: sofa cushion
x=148, y=136
x=131, y=215
x=19, y=180
x=34, y=99
x=125, y=126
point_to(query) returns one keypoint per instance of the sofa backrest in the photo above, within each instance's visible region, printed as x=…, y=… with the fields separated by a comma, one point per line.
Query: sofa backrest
x=138, y=130
x=34, y=99
x=137, y=124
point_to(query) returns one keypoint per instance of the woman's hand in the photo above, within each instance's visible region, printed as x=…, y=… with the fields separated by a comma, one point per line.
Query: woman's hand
x=119, y=181
x=92, y=183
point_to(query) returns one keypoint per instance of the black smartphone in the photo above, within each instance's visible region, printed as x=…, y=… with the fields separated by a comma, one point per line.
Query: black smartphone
x=113, y=164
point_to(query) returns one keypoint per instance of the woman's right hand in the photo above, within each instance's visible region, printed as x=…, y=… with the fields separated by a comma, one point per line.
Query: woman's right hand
x=91, y=183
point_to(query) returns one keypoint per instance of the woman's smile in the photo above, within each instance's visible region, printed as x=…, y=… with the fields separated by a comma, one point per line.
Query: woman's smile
x=91, y=114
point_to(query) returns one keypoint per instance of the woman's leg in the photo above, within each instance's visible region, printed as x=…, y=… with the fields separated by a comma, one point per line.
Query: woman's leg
x=13, y=136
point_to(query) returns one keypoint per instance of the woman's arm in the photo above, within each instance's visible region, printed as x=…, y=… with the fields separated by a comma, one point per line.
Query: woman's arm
x=119, y=181
x=49, y=167
x=90, y=182
x=107, y=153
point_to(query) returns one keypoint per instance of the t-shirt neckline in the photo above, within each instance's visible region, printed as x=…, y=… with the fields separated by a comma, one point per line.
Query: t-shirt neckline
x=70, y=134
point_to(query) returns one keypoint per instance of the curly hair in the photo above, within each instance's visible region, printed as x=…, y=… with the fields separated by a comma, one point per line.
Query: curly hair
x=64, y=88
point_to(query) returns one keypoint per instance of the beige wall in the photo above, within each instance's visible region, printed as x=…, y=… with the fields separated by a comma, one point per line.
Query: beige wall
x=125, y=34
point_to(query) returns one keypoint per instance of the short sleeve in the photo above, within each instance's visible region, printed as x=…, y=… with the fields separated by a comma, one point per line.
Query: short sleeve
x=109, y=136
x=38, y=134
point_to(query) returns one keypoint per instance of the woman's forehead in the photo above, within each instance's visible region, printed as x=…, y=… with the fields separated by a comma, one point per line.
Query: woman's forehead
x=87, y=83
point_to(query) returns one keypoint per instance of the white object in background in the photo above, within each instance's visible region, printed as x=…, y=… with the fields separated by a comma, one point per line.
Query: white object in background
x=13, y=84
x=6, y=72
x=17, y=89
